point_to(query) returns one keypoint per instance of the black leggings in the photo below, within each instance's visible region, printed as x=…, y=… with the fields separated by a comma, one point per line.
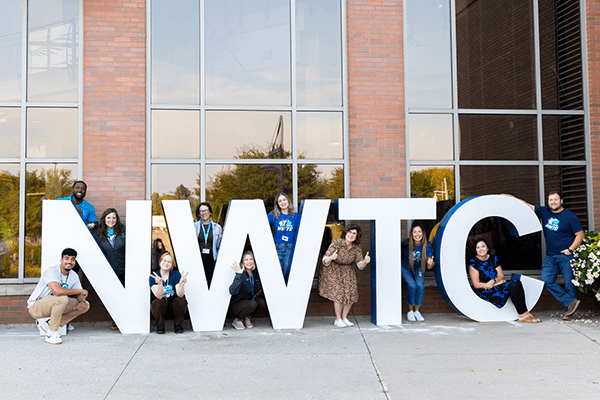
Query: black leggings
x=517, y=294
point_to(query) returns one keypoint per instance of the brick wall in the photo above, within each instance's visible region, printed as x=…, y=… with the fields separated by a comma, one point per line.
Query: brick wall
x=593, y=41
x=114, y=102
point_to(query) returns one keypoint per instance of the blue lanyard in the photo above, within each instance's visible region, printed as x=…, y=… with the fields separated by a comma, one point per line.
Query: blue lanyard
x=205, y=232
x=252, y=285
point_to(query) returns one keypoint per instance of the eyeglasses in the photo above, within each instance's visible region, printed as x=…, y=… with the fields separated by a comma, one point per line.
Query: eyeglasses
x=205, y=210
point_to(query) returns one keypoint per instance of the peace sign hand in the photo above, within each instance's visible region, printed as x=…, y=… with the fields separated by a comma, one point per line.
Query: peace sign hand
x=157, y=278
x=183, y=279
x=237, y=267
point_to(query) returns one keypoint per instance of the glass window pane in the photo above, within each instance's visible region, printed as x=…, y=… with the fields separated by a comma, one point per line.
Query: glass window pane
x=320, y=181
x=246, y=181
x=318, y=53
x=571, y=182
x=498, y=137
x=53, y=50
x=10, y=132
x=560, y=55
x=428, y=59
x=564, y=137
x=9, y=220
x=495, y=56
x=520, y=181
x=319, y=135
x=10, y=50
x=248, y=134
x=43, y=181
x=175, y=134
x=51, y=132
x=438, y=182
x=175, y=182
x=248, y=52
x=430, y=137
x=176, y=52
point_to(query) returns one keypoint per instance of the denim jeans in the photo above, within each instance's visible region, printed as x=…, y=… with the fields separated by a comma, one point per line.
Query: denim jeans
x=415, y=285
x=552, y=266
x=284, y=252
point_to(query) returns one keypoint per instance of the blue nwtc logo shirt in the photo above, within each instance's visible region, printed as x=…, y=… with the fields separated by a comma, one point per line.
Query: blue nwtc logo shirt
x=559, y=229
x=552, y=224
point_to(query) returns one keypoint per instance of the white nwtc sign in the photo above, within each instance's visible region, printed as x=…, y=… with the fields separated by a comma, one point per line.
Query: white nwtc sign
x=450, y=250
x=386, y=214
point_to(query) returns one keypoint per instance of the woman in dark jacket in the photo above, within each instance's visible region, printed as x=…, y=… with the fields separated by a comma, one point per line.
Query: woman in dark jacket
x=110, y=235
x=246, y=292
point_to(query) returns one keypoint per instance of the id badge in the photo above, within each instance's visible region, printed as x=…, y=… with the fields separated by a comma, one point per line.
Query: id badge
x=205, y=251
x=284, y=238
x=64, y=285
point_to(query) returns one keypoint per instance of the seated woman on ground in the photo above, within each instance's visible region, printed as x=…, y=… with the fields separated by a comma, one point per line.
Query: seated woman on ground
x=246, y=292
x=488, y=280
x=168, y=287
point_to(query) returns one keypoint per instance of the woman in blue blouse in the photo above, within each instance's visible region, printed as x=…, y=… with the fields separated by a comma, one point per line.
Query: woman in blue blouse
x=489, y=284
x=414, y=262
x=285, y=222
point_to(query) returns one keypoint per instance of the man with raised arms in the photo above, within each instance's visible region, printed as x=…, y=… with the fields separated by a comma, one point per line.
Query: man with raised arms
x=50, y=298
x=563, y=233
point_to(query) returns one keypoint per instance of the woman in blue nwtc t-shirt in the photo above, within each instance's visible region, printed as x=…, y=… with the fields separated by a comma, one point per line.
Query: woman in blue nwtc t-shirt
x=414, y=262
x=285, y=222
x=168, y=288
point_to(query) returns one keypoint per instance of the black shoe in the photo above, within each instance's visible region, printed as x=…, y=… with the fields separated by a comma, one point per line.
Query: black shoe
x=160, y=330
x=178, y=328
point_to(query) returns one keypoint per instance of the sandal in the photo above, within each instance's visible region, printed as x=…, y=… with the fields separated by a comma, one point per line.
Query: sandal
x=529, y=319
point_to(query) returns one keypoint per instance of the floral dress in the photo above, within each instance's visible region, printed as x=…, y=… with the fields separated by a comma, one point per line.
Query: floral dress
x=337, y=281
x=498, y=295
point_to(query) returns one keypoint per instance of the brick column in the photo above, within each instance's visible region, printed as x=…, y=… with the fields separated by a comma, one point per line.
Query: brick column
x=592, y=19
x=114, y=102
x=376, y=99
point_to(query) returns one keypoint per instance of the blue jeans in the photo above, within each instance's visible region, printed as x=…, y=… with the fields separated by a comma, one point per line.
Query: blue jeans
x=552, y=266
x=415, y=285
x=284, y=252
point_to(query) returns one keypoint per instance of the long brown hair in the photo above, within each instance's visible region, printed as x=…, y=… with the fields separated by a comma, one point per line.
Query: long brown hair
x=277, y=209
x=102, y=230
x=412, y=245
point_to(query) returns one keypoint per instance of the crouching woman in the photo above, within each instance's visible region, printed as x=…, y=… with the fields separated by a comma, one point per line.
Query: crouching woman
x=246, y=292
x=168, y=287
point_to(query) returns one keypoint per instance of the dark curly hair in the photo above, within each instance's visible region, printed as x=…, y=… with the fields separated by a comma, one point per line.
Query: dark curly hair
x=351, y=227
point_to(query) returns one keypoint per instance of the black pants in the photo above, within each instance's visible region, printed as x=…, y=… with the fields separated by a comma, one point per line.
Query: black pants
x=160, y=307
x=246, y=308
x=517, y=294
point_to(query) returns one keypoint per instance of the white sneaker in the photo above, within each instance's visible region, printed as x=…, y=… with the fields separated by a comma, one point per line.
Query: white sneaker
x=237, y=324
x=347, y=322
x=42, y=325
x=53, y=337
x=339, y=323
x=418, y=316
x=411, y=316
x=70, y=327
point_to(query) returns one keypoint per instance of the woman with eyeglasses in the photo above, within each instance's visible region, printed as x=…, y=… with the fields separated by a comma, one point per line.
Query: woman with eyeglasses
x=209, y=235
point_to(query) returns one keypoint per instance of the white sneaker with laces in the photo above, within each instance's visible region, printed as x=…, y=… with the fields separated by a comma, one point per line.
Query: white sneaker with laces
x=411, y=316
x=418, y=316
x=339, y=323
x=42, y=324
x=347, y=322
x=53, y=337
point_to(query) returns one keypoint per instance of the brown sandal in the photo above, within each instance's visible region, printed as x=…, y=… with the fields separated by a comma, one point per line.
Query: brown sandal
x=530, y=319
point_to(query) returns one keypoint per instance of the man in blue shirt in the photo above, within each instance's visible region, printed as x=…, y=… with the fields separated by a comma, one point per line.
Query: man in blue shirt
x=563, y=233
x=86, y=211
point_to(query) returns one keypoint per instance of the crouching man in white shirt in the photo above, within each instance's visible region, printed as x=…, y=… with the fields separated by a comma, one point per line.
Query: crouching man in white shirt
x=51, y=297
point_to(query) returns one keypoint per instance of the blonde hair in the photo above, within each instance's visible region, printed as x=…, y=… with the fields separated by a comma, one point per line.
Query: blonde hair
x=163, y=255
x=277, y=209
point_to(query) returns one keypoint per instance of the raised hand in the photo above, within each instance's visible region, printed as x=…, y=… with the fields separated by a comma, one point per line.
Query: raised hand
x=157, y=278
x=183, y=279
x=367, y=259
x=333, y=256
x=237, y=267
x=430, y=262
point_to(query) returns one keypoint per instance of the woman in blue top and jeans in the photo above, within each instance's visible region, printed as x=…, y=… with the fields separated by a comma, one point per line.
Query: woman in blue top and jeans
x=285, y=221
x=414, y=261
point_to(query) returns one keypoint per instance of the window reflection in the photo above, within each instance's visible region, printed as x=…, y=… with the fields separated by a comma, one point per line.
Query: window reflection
x=175, y=134
x=42, y=181
x=10, y=132
x=175, y=52
x=320, y=181
x=520, y=181
x=430, y=137
x=498, y=137
x=9, y=220
x=495, y=57
x=248, y=52
x=10, y=50
x=51, y=132
x=53, y=56
x=564, y=137
x=428, y=59
x=248, y=134
x=319, y=135
x=174, y=182
x=318, y=53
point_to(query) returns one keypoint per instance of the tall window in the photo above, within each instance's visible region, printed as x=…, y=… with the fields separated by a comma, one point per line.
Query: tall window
x=40, y=110
x=246, y=100
x=495, y=104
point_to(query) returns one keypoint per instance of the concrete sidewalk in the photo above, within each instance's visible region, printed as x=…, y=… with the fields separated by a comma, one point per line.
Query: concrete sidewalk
x=446, y=357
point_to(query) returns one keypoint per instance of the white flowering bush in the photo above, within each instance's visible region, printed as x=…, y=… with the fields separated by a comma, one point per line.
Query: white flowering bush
x=586, y=264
